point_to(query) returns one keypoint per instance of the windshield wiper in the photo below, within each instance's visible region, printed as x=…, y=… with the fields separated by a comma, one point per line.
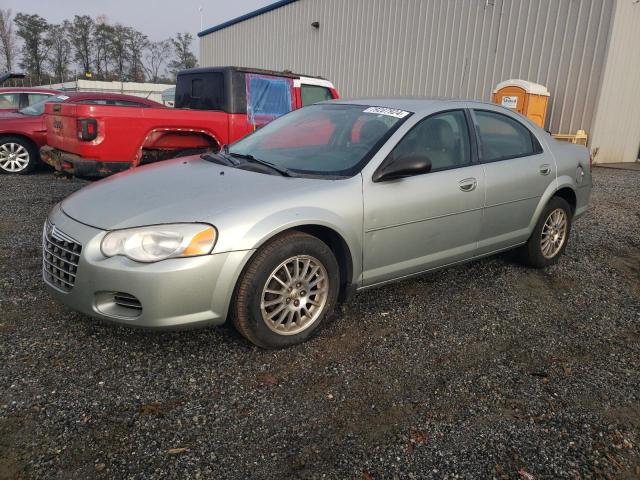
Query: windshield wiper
x=219, y=159
x=285, y=172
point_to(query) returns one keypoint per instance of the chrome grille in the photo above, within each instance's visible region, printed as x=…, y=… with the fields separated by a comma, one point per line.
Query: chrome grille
x=60, y=257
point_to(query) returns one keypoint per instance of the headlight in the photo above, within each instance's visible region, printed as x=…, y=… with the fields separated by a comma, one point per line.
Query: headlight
x=158, y=242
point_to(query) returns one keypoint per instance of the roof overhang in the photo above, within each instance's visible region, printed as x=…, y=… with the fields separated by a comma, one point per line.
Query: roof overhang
x=247, y=16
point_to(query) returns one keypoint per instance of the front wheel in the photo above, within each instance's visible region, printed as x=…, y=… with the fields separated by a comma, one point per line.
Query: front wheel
x=550, y=236
x=17, y=156
x=288, y=288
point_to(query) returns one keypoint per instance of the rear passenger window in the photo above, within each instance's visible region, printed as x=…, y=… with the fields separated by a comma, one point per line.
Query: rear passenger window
x=314, y=93
x=443, y=138
x=36, y=97
x=267, y=98
x=502, y=137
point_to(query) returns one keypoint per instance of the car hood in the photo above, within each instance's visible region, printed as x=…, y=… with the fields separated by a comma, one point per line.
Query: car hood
x=186, y=189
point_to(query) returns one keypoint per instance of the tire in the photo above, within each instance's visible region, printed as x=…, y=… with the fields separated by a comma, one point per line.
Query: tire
x=536, y=252
x=269, y=319
x=18, y=156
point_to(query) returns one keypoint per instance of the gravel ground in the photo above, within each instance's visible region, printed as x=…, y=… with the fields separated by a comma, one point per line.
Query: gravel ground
x=484, y=370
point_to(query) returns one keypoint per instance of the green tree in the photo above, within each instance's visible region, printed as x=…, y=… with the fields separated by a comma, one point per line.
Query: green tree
x=118, y=50
x=184, y=57
x=35, y=49
x=137, y=42
x=81, y=36
x=102, y=41
x=57, y=39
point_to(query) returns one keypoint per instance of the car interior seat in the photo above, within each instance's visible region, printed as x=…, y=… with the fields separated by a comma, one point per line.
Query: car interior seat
x=441, y=143
x=371, y=131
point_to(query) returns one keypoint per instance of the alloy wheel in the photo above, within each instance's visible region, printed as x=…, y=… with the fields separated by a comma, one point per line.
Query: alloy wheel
x=13, y=157
x=554, y=233
x=294, y=295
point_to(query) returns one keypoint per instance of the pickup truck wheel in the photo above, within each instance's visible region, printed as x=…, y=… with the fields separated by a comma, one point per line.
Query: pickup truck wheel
x=549, y=239
x=17, y=156
x=288, y=288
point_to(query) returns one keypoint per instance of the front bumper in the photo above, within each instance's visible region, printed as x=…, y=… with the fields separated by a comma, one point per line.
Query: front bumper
x=78, y=166
x=176, y=292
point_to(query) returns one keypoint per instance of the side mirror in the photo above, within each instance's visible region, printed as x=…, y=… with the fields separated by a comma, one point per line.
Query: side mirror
x=405, y=166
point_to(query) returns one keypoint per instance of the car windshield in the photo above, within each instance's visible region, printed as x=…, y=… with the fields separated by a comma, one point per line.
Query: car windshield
x=323, y=139
x=38, y=108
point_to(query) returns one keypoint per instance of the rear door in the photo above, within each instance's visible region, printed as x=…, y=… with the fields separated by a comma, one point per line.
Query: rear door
x=517, y=173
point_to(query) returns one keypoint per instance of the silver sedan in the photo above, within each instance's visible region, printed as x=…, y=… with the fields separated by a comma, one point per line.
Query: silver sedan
x=274, y=230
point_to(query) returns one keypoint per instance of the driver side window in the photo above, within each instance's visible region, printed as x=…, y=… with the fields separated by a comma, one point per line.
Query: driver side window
x=443, y=138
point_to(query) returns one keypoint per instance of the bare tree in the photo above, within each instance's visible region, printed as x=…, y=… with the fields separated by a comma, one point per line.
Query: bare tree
x=35, y=49
x=156, y=57
x=60, y=50
x=8, y=44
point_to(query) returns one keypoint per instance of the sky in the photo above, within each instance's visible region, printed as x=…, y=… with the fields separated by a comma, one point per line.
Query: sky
x=158, y=19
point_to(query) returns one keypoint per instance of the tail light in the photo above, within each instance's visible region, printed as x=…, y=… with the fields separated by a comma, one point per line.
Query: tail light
x=87, y=128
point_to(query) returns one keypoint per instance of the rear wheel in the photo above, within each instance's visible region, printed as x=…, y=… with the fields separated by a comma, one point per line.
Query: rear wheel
x=287, y=290
x=17, y=156
x=550, y=236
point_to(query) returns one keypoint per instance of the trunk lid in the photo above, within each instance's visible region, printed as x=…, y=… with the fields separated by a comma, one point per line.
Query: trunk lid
x=61, y=127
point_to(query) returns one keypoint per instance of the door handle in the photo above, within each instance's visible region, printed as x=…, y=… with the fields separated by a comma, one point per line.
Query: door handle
x=468, y=184
x=545, y=169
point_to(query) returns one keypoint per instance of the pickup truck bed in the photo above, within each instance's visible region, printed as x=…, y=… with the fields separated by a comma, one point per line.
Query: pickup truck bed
x=129, y=136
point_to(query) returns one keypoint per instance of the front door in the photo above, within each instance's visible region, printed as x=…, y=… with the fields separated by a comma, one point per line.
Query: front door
x=430, y=220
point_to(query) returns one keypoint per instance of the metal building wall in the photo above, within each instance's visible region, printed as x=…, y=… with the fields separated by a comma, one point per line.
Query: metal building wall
x=616, y=130
x=459, y=48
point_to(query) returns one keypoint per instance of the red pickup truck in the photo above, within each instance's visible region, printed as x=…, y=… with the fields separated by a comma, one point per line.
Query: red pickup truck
x=214, y=107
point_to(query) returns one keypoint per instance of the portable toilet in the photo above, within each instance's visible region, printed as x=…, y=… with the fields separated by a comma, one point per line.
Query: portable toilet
x=528, y=98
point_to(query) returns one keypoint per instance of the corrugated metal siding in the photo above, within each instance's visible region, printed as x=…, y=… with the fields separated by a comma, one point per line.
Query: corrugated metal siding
x=616, y=132
x=459, y=48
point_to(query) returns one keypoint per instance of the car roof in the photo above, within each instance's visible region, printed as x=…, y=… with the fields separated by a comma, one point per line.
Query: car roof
x=414, y=104
x=259, y=71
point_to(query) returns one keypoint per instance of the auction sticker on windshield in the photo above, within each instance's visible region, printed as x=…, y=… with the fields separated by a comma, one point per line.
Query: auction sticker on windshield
x=391, y=112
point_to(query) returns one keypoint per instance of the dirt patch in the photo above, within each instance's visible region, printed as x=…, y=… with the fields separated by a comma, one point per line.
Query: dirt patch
x=628, y=266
